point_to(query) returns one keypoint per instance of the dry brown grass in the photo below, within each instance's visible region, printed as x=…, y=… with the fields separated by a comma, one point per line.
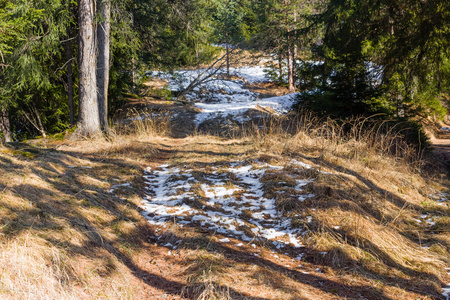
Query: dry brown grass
x=62, y=233
x=207, y=291
x=33, y=269
x=366, y=202
x=144, y=123
x=63, y=236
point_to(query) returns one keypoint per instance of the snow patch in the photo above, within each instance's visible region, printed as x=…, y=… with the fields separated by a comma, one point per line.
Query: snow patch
x=226, y=98
x=227, y=209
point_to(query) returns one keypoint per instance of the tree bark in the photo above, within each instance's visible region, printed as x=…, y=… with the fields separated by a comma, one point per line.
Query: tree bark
x=103, y=43
x=280, y=68
x=290, y=67
x=295, y=52
x=228, y=56
x=88, y=116
x=70, y=82
x=133, y=73
x=5, y=127
x=289, y=54
x=294, y=66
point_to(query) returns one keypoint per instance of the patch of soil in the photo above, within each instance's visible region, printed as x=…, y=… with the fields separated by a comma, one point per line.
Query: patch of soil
x=441, y=148
x=182, y=125
x=440, y=142
x=156, y=83
x=267, y=89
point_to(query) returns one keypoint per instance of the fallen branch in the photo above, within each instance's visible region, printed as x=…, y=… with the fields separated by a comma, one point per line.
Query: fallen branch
x=210, y=72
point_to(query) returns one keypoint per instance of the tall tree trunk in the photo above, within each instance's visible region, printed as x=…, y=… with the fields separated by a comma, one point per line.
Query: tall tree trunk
x=289, y=54
x=103, y=44
x=324, y=74
x=228, y=56
x=295, y=52
x=290, y=67
x=280, y=68
x=5, y=127
x=88, y=116
x=294, y=66
x=70, y=81
x=133, y=78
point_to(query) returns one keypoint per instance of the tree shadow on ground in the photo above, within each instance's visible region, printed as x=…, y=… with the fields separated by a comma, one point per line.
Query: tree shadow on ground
x=61, y=203
x=67, y=192
x=426, y=288
x=391, y=197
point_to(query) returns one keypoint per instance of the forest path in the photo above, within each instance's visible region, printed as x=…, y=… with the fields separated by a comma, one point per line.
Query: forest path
x=441, y=148
x=232, y=216
x=221, y=210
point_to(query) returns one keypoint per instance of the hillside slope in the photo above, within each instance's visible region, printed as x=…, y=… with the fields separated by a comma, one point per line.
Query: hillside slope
x=72, y=227
x=188, y=204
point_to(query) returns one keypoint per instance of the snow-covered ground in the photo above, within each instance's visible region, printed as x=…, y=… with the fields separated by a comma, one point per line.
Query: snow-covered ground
x=235, y=109
x=237, y=210
x=234, y=208
x=227, y=98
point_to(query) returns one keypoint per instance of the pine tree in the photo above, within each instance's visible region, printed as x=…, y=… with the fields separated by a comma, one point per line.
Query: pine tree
x=228, y=25
x=384, y=56
x=176, y=33
x=15, y=19
x=9, y=32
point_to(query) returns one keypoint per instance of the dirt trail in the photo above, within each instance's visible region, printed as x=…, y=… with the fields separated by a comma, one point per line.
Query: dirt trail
x=441, y=148
x=192, y=258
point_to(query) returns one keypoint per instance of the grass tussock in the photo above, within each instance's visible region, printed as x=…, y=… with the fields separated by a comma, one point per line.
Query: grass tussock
x=207, y=290
x=34, y=269
x=71, y=228
x=370, y=189
x=355, y=139
x=144, y=123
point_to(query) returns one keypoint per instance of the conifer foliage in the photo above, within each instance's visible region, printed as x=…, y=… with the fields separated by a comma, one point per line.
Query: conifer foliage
x=383, y=56
x=62, y=60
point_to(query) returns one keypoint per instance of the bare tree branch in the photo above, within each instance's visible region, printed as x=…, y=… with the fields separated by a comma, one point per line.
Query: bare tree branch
x=213, y=70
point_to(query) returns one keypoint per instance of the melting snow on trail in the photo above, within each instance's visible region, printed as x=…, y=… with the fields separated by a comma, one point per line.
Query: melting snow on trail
x=227, y=98
x=237, y=210
x=235, y=110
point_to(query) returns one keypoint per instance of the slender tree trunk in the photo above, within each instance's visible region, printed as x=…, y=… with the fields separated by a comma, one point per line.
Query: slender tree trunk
x=295, y=53
x=324, y=73
x=103, y=39
x=133, y=73
x=228, y=56
x=280, y=68
x=289, y=54
x=70, y=81
x=290, y=68
x=294, y=66
x=88, y=116
x=5, y=127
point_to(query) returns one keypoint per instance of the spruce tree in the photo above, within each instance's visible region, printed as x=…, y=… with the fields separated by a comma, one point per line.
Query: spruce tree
x=228, y=25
